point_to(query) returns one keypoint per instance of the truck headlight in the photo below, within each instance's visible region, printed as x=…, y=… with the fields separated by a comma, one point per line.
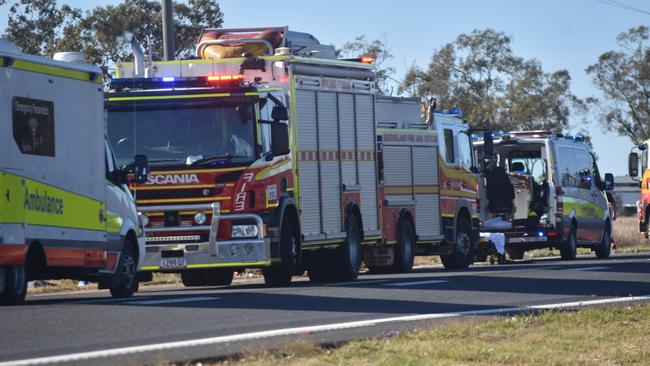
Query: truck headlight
x=199, y=218
x=244, y=231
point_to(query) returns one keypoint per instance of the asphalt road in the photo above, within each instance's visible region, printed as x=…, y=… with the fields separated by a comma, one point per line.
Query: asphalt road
x=182, y=324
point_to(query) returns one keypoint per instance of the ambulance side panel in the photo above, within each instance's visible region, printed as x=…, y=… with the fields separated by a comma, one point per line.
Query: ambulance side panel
x=56, y=184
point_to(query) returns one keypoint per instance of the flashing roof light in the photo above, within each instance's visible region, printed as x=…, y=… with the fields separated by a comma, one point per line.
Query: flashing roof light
x=168, y=79
x=576, y=138
x=225, y=77
x=451, y=112
x=368, y=59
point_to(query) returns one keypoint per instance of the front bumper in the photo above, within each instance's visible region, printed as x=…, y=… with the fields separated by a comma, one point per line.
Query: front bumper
x=237, y=253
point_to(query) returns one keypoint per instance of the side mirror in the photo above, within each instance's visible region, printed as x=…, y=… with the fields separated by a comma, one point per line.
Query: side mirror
x=140, y=169
x=279, y=139
x=633, y=165
x=279, y=113
x=609, y=181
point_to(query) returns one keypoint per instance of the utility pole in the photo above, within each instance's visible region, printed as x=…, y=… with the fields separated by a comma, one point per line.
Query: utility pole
x=168, y=29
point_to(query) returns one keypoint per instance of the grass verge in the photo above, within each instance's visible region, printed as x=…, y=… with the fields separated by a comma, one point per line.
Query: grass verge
x=606, y=335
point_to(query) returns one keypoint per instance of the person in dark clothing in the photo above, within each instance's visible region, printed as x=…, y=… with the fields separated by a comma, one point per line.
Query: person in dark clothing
x=500, y=193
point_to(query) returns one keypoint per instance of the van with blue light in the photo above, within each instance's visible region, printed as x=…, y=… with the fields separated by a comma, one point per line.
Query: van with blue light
x=544, y=190
x=65, y=209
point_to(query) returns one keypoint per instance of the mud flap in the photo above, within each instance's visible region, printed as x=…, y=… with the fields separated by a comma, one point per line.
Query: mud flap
x=379, y=256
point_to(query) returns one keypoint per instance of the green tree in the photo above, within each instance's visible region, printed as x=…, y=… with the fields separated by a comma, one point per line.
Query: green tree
x=377, y=48
x=104, y=33
x=623, y=77
x=495, y=89
x=36, y=25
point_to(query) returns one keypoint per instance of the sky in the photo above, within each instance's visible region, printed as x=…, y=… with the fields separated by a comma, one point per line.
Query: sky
x=561, y=34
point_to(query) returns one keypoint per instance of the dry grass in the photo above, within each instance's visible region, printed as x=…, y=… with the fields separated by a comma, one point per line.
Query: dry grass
x=627, y=236
x=608, y=336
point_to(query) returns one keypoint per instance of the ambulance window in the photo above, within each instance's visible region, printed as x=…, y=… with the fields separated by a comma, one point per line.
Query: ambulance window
x=584, y=165
x=33, y=126
x=449, y=146
x=568, y=171
x=644, y=160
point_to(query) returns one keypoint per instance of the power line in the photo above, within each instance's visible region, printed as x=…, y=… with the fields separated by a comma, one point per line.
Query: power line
x=621, y=5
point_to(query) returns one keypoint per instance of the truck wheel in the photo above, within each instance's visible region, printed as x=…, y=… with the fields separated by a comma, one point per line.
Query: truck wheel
x=193, y=278
x=516, y=254
x=463, y=252
x=281, y=273
x=347, y=261
x=15, y=285
x=218, y=276
x=604, y=249
x=405, y=248
x=127, y=273
x=568, y=250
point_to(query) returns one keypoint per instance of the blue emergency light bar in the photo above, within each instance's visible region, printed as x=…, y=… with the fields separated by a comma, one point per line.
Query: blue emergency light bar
x=451, y=112
x=176, y=82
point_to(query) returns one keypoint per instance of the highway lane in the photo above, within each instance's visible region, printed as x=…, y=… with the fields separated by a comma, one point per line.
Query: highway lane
x=77, y=323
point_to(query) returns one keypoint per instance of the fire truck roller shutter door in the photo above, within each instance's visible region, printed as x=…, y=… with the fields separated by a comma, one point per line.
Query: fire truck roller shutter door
x=427, y=202
x=328, y=144
x=366, y=137
x=347, y=138
x=307, y=150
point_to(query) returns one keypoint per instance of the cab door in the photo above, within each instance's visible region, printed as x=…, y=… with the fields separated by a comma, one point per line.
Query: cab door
x=590, y=224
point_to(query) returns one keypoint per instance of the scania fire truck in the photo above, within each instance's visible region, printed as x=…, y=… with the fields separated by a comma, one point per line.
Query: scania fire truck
x=263, y=154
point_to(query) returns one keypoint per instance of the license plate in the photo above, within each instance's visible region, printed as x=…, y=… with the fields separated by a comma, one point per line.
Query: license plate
x=168, y=263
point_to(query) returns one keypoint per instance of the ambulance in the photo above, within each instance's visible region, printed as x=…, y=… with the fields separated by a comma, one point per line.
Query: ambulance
x=65, y=209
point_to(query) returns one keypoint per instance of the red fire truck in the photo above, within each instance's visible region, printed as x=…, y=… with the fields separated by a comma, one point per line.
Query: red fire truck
x=269, y=160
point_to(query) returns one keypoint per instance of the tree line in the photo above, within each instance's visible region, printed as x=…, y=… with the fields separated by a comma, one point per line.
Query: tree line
x=477, y=72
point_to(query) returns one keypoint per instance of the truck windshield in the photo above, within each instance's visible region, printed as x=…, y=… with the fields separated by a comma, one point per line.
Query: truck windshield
x=178, y=135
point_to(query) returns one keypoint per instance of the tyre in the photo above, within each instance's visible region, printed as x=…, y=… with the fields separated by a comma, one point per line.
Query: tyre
x=15, y=285
x=463, y=251
x=347, y=257
x=127, y=273
x=604, y=249
x=569, y=246
x=193, y=278
x=405, y=248
x=516, y=254
x=280, y=274
x=217, y=277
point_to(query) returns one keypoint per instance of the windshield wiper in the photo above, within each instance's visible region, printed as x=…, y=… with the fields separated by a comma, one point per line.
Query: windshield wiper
x=212, y=159
x=164, y=160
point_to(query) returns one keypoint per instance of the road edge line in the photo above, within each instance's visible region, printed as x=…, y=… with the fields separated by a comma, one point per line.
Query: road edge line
x=123, y=351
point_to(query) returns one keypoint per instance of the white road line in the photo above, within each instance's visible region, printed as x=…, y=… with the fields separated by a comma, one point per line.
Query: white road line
x=415, y=283
x=95, y=301
x=92, y=355
x=358, y=282
x=172, y=301
x=595, y=268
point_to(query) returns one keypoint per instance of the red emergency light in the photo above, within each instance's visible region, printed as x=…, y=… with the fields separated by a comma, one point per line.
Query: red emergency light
x=225, y=77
